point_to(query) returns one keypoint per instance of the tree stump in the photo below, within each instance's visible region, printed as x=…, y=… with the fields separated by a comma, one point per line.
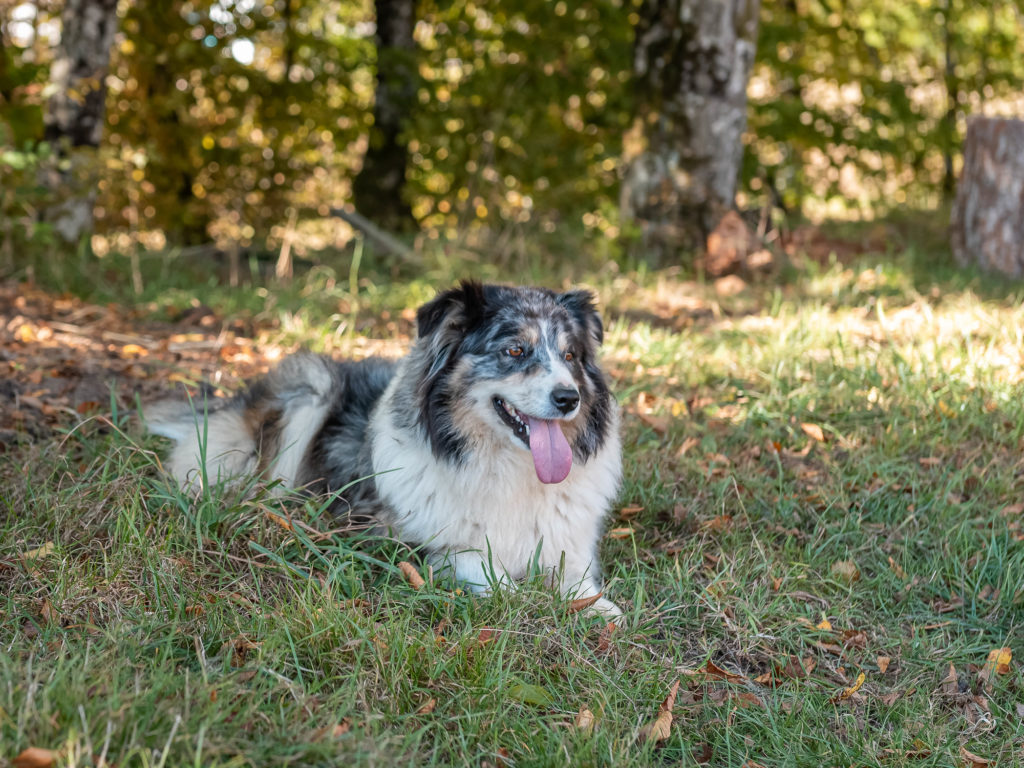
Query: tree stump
x=987, y=226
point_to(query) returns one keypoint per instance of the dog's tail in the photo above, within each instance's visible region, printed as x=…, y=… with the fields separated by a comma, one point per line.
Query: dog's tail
x=266, y=430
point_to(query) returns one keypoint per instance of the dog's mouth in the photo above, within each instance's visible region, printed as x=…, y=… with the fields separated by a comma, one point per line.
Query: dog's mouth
x=552, y=454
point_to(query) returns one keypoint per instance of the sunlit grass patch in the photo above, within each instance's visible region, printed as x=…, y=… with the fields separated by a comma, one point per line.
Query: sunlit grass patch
x=822, y=480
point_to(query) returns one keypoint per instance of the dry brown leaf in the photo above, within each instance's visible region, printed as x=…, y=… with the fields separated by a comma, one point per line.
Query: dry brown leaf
x=897, y=569
x=661, y=728
x=628, y=513
x=604, y=640
x=1013, y=510
x=133, y=350
x=35, y=757
x=813, y=431
x=998, y=663
x=717, y=673
x=659, y=424
x=427, y=707
x=688, y=443
x=332, y=731
x=38, y=552
x=620, y=533
x=411, y=574
x=717, y=524
x=798, y=669
x=951, y=682
x=999, y=659
x=582, y=603
x=281, y=521
x=971, y=760
x=585, y=720
x=883, y=663
x=848, y=692
x=845, y=570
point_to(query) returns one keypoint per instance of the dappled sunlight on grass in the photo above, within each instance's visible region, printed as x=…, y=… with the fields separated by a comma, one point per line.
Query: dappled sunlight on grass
x=821, y=494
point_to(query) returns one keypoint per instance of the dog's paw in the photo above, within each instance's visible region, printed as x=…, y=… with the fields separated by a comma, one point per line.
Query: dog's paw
x=606, y=609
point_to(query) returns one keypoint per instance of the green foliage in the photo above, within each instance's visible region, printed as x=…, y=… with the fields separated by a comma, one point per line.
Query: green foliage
x=522, y=111
x=206, y=139
x=223, y=117
x=852, y=104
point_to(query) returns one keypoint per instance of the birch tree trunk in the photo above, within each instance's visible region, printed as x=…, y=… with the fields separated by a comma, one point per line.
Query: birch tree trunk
x=692, y=60
x=378, y=188
x=987, y=227
x=74, y=117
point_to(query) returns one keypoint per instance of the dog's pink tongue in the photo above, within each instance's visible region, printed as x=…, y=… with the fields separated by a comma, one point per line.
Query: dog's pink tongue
x=552, y=456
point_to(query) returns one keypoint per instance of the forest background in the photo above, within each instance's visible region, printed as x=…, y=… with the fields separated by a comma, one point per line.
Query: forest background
x=240, y=121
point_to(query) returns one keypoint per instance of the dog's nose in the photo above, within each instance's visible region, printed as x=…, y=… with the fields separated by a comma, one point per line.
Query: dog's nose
x=565, y=398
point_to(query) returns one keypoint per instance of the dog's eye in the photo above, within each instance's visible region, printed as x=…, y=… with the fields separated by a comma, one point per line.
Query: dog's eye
x=569, y=356
x=514, y=351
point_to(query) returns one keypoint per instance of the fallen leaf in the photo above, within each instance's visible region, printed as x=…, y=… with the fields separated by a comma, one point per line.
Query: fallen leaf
x=281, y=521
x=411, y=574
x=627, y=513
x=883, y=663
x=332, y=731
x=35, y=757
x=951, y=682
x=848, y=692
x=531, y=694
x=604, y=640
x=585, y=720
x=688, y=443
x=619, y=533
x=717, y=524
x=813, y=431
x=133, y=350
x=897, y=569
x=38, y=552
x=661, y=728
x=659, y=424
x=582, y=603
x=971, y=760
x=717, y=673
x=998, y=663
x=824, y=624
x=845, y=570
x=1000, y=659
x=797, y=668
x=427, y=707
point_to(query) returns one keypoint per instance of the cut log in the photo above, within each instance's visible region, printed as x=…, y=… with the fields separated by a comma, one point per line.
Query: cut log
x=987, y=227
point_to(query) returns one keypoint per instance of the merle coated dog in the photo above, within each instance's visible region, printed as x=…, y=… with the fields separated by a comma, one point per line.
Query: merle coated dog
x=493, y=444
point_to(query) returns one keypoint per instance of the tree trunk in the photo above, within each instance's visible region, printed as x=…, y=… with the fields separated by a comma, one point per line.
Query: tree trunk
x=987, y=227
x=692, y=60
x=378, y=188
x=74, y=118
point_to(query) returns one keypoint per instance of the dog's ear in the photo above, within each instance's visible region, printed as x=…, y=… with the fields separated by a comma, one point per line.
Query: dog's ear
x=459, y=308
x=582, y=307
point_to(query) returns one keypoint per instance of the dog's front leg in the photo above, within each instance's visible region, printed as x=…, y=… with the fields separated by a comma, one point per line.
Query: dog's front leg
x=472, y=570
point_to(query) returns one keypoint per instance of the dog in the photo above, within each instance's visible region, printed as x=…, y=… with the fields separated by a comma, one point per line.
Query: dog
x=493, y=445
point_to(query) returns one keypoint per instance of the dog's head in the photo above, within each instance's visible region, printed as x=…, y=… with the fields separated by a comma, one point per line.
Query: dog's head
x=513, y=365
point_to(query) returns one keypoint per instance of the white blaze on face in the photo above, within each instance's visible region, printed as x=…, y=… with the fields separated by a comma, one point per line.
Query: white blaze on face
x=552, y=454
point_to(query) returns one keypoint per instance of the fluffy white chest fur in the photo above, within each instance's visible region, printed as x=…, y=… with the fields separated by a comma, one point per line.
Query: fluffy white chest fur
x=488, y=517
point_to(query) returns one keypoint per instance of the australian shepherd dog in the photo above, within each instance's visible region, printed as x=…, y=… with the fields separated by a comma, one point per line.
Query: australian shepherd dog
x=493, y=446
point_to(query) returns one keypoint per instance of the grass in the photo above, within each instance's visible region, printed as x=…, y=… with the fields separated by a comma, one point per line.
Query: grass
x=161, y=631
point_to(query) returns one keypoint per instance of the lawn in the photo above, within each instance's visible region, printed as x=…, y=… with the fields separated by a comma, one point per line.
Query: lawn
x=820, y=536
